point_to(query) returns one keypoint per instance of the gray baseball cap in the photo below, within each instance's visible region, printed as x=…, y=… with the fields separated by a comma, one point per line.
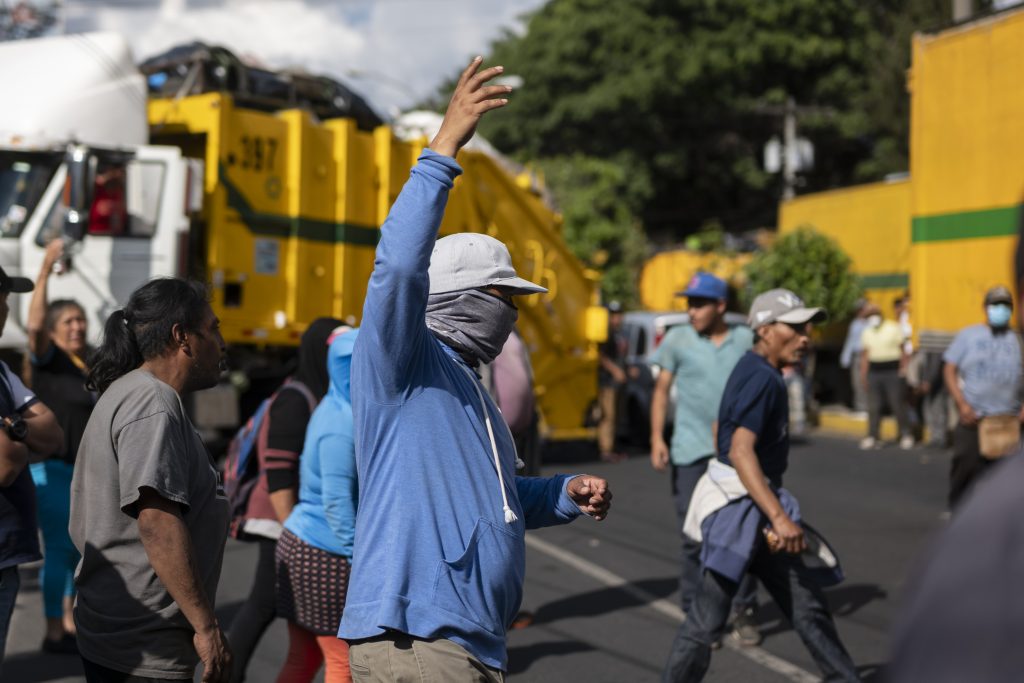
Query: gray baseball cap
x=470, y=260
x=998, y=295
x=782, y=306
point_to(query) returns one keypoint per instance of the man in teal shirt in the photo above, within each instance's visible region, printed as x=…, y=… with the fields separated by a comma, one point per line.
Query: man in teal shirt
x=698, y=358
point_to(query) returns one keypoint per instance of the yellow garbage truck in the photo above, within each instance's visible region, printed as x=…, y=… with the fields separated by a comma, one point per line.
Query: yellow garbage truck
x=271, y=187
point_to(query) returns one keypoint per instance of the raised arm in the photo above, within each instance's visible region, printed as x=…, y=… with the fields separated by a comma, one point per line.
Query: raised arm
x=38, y=336
x=393, y=314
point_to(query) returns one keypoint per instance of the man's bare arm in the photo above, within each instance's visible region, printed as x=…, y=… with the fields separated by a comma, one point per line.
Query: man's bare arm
x=172, y=555
x=45, y=437
x=744, y=461
x=14, y=457
x=659, y=404
x=952, y=381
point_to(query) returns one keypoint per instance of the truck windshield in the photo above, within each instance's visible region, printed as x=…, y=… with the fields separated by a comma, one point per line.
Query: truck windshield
x=23, y=179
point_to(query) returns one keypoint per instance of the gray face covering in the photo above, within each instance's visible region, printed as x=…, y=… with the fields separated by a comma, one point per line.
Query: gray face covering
x=472, y=322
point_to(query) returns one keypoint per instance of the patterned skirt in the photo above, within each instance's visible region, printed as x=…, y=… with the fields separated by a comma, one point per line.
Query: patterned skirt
x=311, y=585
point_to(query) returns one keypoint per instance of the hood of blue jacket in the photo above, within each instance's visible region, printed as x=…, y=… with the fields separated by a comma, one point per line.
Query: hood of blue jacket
x=339, y=365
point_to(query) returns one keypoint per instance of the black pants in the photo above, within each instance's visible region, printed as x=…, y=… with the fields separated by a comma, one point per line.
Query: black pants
x=256, y=613
x=885, y=386
x=968, y=463
x=799, y=598
x=94, y=673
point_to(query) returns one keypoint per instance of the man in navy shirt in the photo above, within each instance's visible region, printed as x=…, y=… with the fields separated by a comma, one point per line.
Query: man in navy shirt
x=27, y=427
x=753, y=449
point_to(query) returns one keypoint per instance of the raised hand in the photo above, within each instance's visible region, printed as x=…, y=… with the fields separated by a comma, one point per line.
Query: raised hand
x=470, y=101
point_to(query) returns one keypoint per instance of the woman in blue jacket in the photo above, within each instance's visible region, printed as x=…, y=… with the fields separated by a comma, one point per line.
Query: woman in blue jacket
x=315, y=548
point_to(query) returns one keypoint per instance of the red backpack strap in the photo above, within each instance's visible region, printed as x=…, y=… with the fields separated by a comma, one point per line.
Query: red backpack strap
x=289, y=384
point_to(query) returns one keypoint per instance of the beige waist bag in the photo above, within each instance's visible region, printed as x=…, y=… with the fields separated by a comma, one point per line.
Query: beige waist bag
x=998, y=435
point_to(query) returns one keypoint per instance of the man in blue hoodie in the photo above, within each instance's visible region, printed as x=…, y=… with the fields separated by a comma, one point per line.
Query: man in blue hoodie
x=439, y=552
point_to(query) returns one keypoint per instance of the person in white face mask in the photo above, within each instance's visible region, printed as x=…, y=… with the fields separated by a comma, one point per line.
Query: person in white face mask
x=983, y=375
x=881, y=359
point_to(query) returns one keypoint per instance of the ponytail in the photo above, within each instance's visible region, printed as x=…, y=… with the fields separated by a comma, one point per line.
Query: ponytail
x=143, y=329
x=117, y=355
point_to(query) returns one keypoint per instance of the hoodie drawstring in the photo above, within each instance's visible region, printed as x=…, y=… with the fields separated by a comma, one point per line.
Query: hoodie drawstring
x=510, y=516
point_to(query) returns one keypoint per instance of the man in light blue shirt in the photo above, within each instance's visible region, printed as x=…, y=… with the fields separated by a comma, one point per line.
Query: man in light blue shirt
x=698, y=359
x=983, y=375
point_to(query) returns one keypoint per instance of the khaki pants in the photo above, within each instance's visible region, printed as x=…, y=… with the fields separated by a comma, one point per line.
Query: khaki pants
x=607, y=398
x=398, y=658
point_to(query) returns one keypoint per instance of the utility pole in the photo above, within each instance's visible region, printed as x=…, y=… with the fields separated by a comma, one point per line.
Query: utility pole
x=789, y=157
x=962, y=10
x=792, y=154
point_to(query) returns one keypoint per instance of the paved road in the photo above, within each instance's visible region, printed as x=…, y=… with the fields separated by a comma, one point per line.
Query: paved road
x=605, y=594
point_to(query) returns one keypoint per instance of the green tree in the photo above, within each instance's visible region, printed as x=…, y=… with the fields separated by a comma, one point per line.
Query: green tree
x=809, y=263
x=599, y=203
x=673, y=100
x=686, y=93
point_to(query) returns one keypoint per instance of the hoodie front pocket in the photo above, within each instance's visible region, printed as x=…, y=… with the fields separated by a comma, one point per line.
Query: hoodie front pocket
x=485, y=584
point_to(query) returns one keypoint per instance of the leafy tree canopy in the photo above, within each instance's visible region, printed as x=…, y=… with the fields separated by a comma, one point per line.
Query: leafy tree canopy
x=686, y=92
x=649, y=117
x=809, y=263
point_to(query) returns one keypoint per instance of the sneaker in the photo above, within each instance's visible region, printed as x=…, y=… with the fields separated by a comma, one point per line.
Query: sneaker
x=906, y=442
x=868, y=443
x=745, y=630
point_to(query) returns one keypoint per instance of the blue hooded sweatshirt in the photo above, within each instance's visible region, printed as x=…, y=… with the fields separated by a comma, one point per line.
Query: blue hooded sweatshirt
x=434, y=556
x=325, y=516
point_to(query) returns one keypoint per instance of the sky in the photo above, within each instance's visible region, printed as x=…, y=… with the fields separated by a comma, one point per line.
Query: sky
x=394, y=52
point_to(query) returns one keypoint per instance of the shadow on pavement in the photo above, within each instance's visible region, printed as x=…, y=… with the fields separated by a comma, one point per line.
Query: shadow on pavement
x=603, y=601
x=843, y=601
x=521, y=658
x=39, y=667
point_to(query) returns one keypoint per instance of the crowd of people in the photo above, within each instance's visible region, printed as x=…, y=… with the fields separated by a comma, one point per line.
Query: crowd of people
x=128, y=493
x=968, y=396
x=418, y=426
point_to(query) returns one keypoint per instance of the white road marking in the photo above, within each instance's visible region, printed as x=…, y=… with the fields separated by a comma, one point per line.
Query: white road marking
x=755, y=654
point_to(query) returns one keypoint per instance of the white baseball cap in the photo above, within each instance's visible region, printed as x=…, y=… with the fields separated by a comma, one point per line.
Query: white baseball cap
x=782, y=306
x=471, y=260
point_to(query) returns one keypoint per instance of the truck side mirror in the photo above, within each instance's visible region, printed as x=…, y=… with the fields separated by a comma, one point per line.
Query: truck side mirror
x=81, y=178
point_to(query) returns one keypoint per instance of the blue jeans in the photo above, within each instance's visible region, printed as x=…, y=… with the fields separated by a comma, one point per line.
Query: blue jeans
x=797, y=595
x=60, y=557
x=9, y=583
x=684, y=481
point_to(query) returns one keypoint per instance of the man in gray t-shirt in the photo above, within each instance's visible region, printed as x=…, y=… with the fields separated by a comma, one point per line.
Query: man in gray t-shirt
x=139, y=436
x=148, y=512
